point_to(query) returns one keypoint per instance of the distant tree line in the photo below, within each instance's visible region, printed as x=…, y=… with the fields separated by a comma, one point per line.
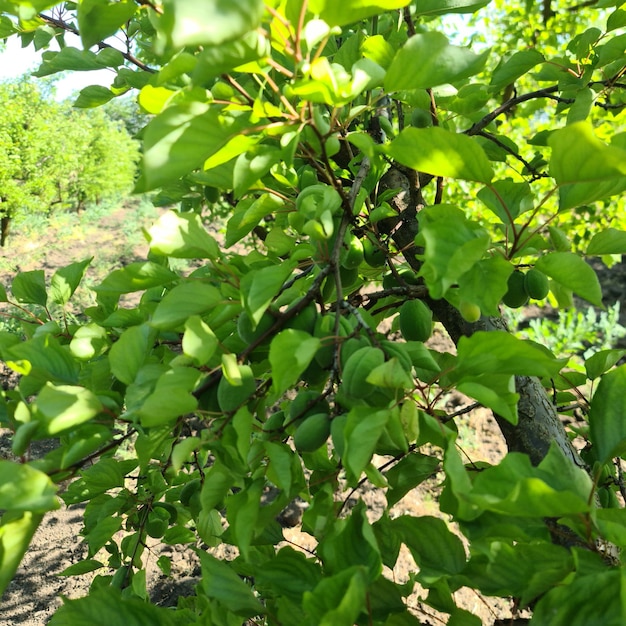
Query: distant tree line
x=56, y=158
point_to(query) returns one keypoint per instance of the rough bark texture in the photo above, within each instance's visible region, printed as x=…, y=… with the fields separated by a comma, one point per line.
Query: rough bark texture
x=539, y=424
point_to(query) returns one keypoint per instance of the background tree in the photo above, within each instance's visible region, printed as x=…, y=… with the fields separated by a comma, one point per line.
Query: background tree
x=56, y=157
x=373, y=168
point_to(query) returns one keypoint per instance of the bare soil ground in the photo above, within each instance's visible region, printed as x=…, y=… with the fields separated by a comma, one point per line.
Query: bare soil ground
x=36, y=591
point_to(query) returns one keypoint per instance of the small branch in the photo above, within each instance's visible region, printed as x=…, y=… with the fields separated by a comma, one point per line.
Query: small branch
x=536, y=174
x=101, y=44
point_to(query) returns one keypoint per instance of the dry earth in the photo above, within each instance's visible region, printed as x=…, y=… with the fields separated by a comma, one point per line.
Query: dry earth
x=36, y=591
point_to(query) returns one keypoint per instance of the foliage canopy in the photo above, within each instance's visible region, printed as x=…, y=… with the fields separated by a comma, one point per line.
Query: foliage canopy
x=363, y=162
x=58, y=158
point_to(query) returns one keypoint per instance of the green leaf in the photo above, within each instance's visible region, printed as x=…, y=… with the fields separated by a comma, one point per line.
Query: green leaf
x=100, y=19
x=182, y=302
x=68, y=59
x=352, y=543
x=220, y=582
x=82, y=567
x=289, y=574
x=390, y=375
x=601, y=362
x=585, y=168
x=606, y=415
x=362, y=431
x=427, y=60
x=485, y=283
x=15, y=536
x=337, y=600
x=514, y=67
x=259, y=287
x=61, y=407
x=181, y=138
x=498, y=352
x=199, y=341
x=609, y=241
x=437, y=551
x=136, y=277
x=452, y=245
x=580, y=602
x=507, y=199
x=524, y=570
x=130, y=351
x=30, y=287
x=93, y=96
x=171, y=397
x=437, y=7
x=100, y=534
x=89, y=341
x=441, y=153
x=514, y=487
x=199, y=23
x=291, y=352
x=221, y=59
x=571, y=271
x=24, y=488
x=182, y=236
x=253, y=165
x=409, y=472
x=349, y=11
x=493, y=391
x=66, y=279
x=248, y=214
x=105, y=606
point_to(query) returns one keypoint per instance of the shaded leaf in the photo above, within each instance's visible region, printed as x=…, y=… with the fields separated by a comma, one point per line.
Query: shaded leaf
x=609, y=241
x=571, y=271
x=220, y=582
x=606, y=415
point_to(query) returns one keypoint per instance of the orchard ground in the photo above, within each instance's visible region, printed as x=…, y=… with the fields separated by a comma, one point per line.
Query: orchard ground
x=114, y=238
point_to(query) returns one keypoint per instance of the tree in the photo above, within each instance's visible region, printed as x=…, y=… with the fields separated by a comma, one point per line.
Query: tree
x=55, y=157
x=366, y=167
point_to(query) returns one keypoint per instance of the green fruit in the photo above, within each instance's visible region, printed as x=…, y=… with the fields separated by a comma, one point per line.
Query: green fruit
x=192, y=487
x=349, y=347
x=312, y=432
x=516, y=295
x=307, y=398
x=358, y=368
x=416, y=321
x=536, y=284
x=337, y=431
x=469, y=311
x=421, y=118
x=352, y=254
x=246, y=329
x=325, y=330
x=305, y=320
x=374, y=255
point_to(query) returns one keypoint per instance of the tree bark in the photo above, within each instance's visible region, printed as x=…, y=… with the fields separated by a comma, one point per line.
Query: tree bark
x=539, y=424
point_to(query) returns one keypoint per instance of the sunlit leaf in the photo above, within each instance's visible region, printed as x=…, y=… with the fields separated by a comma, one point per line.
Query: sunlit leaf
x=441, y=153
x=427, y=60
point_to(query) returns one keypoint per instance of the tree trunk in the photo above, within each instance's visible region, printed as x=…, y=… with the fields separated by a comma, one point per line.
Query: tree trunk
x=539, y=424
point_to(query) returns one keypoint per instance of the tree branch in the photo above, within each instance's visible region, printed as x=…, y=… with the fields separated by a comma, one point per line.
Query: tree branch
x=58, y=23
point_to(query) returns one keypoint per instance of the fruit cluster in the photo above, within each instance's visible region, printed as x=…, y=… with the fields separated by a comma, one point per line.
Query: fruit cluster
x=523, y=286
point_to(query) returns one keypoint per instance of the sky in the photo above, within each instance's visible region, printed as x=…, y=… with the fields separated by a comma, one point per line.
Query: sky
x=15, y=61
